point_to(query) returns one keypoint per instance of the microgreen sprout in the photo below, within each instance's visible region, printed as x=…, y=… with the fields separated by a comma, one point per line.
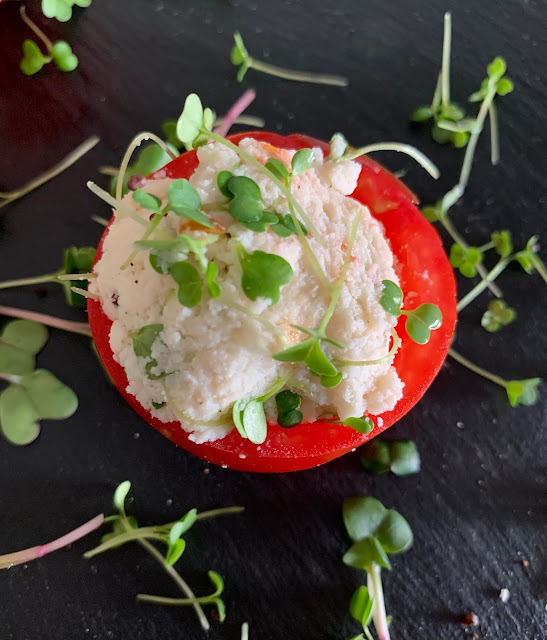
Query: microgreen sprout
x=401, y=457
x=311, y=351
x=59, y=52
x=143, y=341
x=360, y=608
x=376, y=532
x=7, y=197
x=77, y=264
x=126, y=529
x=465, y=260
x=32, y=395
x=288, y=405
x=497, y=315
x=519, y=392
x=243, y=61
x=420, y=321
x=263, y=274
x=62, y=9
x=81, y=328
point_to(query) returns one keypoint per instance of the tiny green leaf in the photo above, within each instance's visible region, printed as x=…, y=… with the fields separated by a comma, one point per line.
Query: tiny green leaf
x=33, y=59
x=376, y=456
x=290, y=419
x=405, y=458
x=318, y=361
x=497, y=315
x=217, y=581
x=302, y=161
x=146, y=200
x=263, y=274
x=144, y=339
x=190, y=121
x=120, y=495
x=391, y=298
x=394, y=533
x=239, y=52
x=63, y=57
x=222, y=183
x=288, y=404
x=278, y=168
x=18, y=418
x=362, y=516
x=189, y=282
x=184, y=200
x=363, y=553
x=421, y=321
x=25, y=335
x=254, y=422
x=77, y=260
x=174, y=552
x=362, y=425
x=360, y=606
x=503, y=243
x=523, y=392
x=297, y=353
x=330, y=382
x=246, y=204
x=237, y=417
x=422, y=114
x=212, y=285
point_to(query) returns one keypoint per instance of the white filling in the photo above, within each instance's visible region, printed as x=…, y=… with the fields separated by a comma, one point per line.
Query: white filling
x=214, y=353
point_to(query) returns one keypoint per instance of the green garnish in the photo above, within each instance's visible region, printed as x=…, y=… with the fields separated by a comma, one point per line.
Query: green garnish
x=77, y=265
x=401, y=457
x=184, y=200
x=250, y=420
x=519, y=392
x=142, y=341
x=190, y=283
x=32, y=395
x=361, y=425
x=288, y=404
x=263, y=274
x=376, y=532
x=126, y=529
x=62, y=9
x=157, y=405
x=360, y=608
x=497, y=315
x=59, y=52
x=241, y=59
x=465, y=260
x=420, y=321
x=211, y=279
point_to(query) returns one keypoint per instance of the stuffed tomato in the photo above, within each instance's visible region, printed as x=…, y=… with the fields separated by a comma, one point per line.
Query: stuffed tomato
x=247, y=303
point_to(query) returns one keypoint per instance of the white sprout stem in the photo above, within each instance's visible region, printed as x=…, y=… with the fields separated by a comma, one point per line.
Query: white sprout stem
x=245, y=631
x=408, y=149
x=74, y=156
x=81, y=328
x=85, y=293
x=100, y=220
x=293, y=203
x=362, y=363
x=297, y=76
x=236, y=110
x=445, y=69
x=215, y=513
x=436, y=100
x=494, y=134
x=479, y=288
x=476, y=369
x=459, y=239
x=109, y=171
x=250, y=121
x=174, y=602
x=25, y=282
x=20, y=557
x=474, y=137
x=379, y=617
x=265, y=323
x=177, y=578
x=137, y=140
x=117, y=205
x=36, y=29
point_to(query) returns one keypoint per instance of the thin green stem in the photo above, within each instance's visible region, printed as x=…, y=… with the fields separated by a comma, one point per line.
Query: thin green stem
x=47, y=42
x=476, y=369
x=74, y=156
x=132, y=535
x=407, y=149
x=341, y=280
x=362, y=363
x=117, y=205
x=81, y=328
x=436, y=100
x=222, y=511
x=100, y=220
x=539, y=267
x=459, y=239
x=486, y=247
x=479, y=288
x=175, y=602
x=277, y=386
x=374, y=580
x=494, y=134
x=25, y=282
x=445, y=69
x=297, y=76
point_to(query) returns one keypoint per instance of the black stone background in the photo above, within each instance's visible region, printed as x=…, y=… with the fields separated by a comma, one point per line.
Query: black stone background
x=478, y=508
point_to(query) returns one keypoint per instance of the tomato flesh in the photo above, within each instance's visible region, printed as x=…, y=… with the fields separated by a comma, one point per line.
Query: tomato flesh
x=426, y=276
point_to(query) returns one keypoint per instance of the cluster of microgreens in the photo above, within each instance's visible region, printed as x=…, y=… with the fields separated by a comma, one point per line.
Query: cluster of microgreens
x=62, y=9
x=32, y=394
x=77, y=264
x=126, y=529
x=59, y=52
x=468, y=260
x=401, y=457
x=376, y=532
x=450, y=123
x=241, y=59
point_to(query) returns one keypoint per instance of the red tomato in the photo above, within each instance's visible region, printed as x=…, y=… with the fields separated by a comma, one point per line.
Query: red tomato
x=426, y=276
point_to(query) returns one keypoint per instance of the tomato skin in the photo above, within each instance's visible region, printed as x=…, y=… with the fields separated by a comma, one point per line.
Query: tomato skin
x=426, y=276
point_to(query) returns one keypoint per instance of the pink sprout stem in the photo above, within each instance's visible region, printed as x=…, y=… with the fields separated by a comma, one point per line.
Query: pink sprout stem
x=51, y=321
x=26, y=555
x=235, y=111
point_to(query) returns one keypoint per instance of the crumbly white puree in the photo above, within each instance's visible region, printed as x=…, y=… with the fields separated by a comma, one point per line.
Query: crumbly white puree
x=216, y=354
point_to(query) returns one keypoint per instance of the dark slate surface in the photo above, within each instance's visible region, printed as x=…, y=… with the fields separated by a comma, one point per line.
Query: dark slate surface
x=478, y=508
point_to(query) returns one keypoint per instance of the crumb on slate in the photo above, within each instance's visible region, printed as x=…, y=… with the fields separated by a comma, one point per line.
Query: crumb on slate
x=470, y=619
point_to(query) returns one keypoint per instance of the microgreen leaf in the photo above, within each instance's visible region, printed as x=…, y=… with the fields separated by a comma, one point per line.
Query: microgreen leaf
x=254, y=422
x=20, y=341
x=362, y=425
x=363, y=553
x=77, y=260
x=184, y=200
x=222, y=183
x=391, y=298
x=189, y=283
x=157, y=405
x=18, y=418
x=190, y=120
x=466, y=260
x=63, y=57
x=376, y=456
x=297, y=353
x=120, y=494
x=422, y=114
x=318, y=362
x=61, y=9
x=394, y=533
x=360, y=606
x=147, y=200
x=497, y=315
x=33, y=59
x=150, y=158
x=174, y=552
x=143, y=341
x=503, y=243
x=246, y=204
x=523, y=392
x=278, y=168
x=330, y=382
x=421, y=321
x=362, y=516
x=285, y=226
x=288, y=403
x=237, y=417
x=302, y=160
x=212, y=285
x=399, y=456
x=263, y=274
